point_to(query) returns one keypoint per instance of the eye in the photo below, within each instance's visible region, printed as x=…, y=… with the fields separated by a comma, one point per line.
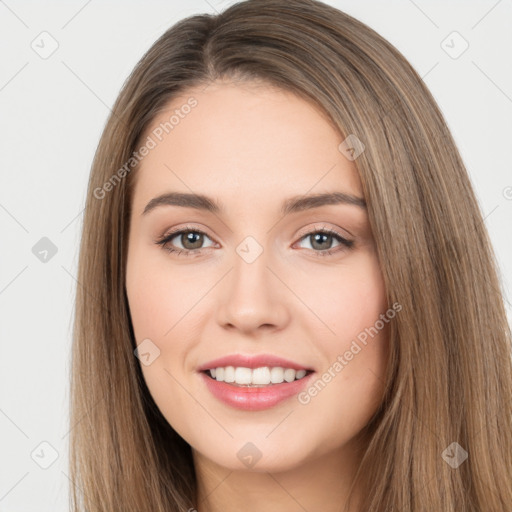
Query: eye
x=191, y=240
x=322, y=240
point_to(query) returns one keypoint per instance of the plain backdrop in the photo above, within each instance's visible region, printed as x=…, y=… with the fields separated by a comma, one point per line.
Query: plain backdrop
x=53, y=107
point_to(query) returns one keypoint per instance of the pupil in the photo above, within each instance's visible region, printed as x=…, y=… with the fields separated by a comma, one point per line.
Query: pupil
x=320, y=236
x=189, y=238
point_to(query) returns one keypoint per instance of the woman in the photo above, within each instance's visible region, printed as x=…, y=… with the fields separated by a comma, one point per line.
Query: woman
x=288, y=298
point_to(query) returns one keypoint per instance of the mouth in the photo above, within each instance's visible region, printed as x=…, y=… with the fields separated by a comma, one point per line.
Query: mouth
x=265, y=376
x=255, y=389
x=253, y=382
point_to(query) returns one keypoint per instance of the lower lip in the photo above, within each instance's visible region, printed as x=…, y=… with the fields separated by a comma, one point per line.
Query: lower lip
x=254, y=398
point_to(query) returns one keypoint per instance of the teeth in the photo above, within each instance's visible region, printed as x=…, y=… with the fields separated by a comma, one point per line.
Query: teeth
x=300, y=373
x=243, y=375
x=229, y=374
x=258, y=376
x=277, y=375
x=261, y=376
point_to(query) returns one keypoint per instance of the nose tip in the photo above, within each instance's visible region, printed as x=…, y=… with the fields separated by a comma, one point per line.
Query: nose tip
x=252, y=298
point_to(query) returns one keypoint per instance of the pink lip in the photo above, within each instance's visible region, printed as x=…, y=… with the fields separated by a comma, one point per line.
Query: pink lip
x=254, y=398
x=248, y=361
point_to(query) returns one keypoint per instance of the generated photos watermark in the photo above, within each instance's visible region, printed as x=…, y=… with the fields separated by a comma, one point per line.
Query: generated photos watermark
x=343, y=360
x=152, y=140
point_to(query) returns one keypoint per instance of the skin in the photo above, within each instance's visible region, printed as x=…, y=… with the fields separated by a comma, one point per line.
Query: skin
x=250, y=147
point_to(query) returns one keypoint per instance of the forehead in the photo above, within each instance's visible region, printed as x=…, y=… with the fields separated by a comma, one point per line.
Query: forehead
x=257, y=139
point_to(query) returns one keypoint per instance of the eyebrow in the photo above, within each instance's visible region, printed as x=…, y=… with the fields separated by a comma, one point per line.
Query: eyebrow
x=291, y=205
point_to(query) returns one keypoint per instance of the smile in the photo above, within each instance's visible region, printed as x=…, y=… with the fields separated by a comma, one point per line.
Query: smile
x=240, y=394
x=255, y=377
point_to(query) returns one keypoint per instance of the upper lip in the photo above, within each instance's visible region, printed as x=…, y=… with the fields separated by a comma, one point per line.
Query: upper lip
x=252, y=361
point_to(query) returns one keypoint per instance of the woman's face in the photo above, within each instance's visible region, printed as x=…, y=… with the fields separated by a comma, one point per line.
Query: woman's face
x=254, y=283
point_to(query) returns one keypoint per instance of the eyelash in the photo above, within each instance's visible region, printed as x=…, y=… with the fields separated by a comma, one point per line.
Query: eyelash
x=164, y=240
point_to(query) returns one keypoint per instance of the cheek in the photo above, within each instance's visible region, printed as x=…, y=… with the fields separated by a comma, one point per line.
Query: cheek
x=347, y=300
x=149, y=301
x=164, y=306
x=158, y=297
x=352, y=380
x=158, y=304
x=349, y=389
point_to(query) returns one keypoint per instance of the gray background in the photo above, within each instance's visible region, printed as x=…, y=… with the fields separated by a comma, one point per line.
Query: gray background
x=53, y=110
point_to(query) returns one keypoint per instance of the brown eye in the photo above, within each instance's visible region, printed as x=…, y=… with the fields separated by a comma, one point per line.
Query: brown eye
x=185, y=241
x=191, y=240
x=321, y=242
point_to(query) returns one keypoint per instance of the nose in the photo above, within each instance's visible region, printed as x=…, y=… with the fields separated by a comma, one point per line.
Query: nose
x=252, y=298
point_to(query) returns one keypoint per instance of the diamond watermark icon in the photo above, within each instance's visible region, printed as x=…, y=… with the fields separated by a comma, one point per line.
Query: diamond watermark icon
x=44, y=250
x=454, y=455
x=249, y=249
x=249, y=454
x=44, y=455
x=146, y=352
x=351, y=147
x=454, y=45
x=45, y=45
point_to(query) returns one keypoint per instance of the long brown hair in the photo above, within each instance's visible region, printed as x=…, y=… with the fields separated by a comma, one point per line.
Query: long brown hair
x=449, y=374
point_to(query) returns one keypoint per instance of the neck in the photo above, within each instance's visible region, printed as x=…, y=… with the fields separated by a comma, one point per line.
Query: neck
x=319, y=484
